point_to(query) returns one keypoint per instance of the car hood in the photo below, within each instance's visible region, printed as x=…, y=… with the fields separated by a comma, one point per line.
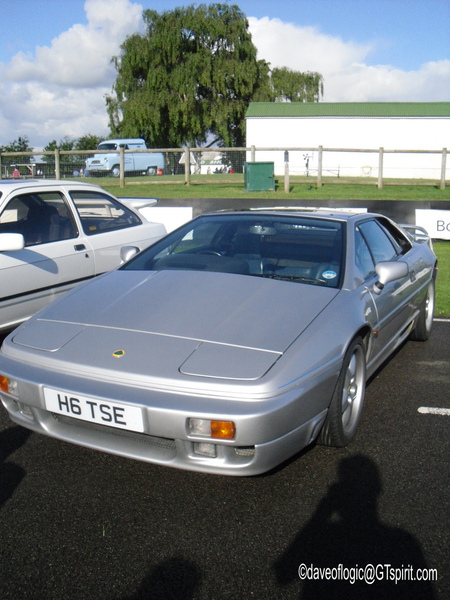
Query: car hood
x=195, y=323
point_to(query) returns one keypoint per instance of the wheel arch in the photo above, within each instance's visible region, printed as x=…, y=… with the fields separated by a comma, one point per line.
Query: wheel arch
x=365, y=332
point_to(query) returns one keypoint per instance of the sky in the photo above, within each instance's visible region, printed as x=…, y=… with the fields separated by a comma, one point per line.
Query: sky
x=55, y=55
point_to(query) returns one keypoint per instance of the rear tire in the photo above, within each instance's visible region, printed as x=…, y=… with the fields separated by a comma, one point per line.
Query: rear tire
x=424, y=325
x=346, y=405
x=151, y=171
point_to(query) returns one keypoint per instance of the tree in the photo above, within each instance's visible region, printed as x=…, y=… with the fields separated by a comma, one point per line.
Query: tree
x=88, y=142
x=64, y=144
x=85, y=142
x=194, y=72
x=294, y=86
x=22, y=144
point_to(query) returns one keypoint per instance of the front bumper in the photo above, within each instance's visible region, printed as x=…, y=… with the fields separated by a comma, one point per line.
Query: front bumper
x=102, y=168
x=268, y=431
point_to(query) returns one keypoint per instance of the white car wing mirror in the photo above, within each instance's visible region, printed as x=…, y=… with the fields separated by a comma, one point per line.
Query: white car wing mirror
x=10, y=242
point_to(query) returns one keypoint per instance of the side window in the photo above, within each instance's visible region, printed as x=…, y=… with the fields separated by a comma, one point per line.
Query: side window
x=41, y=218
x=400, y=241
x=363, y=257
x=100, y=213
x=379, y=242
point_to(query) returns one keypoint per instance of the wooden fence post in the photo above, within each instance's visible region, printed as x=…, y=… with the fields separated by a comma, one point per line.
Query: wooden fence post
x=57, y=164
x=286, y=172
x=443, y=168
x=187, y=165
x=121, y=166
x=319, y=167
x=380, y=169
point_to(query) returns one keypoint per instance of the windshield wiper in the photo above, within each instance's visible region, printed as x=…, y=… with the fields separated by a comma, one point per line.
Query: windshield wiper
x=289, y=277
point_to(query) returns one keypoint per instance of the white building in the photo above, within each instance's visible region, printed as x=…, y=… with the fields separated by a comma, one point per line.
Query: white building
x=368, y=126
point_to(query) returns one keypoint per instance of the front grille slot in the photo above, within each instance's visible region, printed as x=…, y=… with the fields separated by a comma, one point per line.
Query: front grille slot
x=144, y=438
x=245, y=450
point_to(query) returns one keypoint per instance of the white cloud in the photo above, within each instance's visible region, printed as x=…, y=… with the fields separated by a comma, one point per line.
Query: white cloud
x=303, y=48
x=47, y=112
x=81, y=56
x=346, y=76
x=60, y=90
x=384, y=83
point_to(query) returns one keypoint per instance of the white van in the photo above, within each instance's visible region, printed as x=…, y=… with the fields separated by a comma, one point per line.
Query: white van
x=150, y=163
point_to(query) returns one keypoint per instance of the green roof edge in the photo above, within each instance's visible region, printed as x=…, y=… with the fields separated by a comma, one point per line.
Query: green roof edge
x=348, y=109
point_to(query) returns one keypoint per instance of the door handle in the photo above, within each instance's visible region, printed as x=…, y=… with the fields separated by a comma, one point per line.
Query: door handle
x=79, y=247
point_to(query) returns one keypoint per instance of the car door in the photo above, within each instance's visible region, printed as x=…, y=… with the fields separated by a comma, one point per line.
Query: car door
x=55, y=257
x=128, y=160
x=395, y=302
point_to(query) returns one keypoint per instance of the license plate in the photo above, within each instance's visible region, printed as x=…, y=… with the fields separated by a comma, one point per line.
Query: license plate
x=108, y=413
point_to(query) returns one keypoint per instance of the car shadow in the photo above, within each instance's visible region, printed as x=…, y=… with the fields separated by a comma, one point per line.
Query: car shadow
x=35, y=258
x=346, y=537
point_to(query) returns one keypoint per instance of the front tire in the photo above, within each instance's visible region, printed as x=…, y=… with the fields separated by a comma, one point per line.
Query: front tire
x=115, y=171
x=424, y=325
x=346, y=405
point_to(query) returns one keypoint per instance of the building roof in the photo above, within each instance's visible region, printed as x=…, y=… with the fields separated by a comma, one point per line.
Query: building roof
x=348, y=109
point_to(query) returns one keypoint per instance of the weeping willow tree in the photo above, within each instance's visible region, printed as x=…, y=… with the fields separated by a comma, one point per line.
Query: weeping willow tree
x=294, y=86
x=193, y=73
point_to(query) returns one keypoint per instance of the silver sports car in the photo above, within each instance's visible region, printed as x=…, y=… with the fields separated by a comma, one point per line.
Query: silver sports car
x=227, y=346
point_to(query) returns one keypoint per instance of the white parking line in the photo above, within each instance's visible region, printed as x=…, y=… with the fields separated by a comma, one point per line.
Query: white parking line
x=431, y=410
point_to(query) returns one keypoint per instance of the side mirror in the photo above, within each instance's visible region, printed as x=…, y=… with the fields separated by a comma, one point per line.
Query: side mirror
x=127, y=252
x=10, y=242
x=389, y=271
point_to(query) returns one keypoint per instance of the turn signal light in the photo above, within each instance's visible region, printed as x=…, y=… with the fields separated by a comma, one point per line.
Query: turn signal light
x=223, y=430
x=8, y=385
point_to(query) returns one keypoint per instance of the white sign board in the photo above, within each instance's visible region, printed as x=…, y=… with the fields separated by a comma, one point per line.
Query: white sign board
x=171, y=216
x=436, y=222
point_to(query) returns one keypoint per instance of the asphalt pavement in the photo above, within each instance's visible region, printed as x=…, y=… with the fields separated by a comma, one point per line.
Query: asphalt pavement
x=81, y=525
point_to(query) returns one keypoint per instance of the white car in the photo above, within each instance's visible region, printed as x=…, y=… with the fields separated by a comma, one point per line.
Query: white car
x=56, y=234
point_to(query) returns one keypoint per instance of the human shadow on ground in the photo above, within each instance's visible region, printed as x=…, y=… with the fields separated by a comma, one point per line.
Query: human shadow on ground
x=11, y=474
x=346, y=536
x=173, y=579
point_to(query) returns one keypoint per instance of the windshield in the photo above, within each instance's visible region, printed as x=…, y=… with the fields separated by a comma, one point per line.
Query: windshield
x=107, y=147
x=300, y=249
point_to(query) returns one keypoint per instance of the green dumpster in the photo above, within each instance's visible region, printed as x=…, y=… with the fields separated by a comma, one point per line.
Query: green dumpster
x=259, y=176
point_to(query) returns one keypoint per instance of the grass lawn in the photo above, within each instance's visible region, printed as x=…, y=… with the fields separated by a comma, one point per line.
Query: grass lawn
x=442, y=250
x=232, y=186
